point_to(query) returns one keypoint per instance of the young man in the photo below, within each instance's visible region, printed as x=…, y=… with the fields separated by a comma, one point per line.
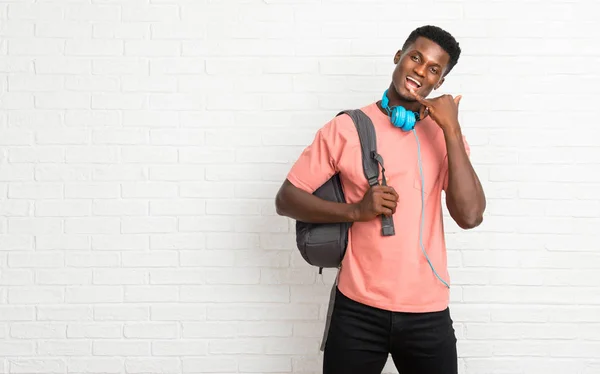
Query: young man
x=392, y=293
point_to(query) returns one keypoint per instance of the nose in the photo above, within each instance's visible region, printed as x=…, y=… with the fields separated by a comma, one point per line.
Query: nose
x=419, y=70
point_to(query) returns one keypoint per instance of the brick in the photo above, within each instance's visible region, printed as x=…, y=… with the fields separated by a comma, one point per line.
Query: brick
x=17, y=313
x=150, y=259
x=120, y=242
x=134, y=225
x=121, y=348
x=63, y=277
x=65, y=313
x=41, y=83
x=153, y=365
x=148, y=190
x=265, y=365
x=238, y=293
x=88, y=84
x=178, y=31
x=35, y=11
x=65, y=29
x=92, y=225
x=149, y=84
x=150, y=13
x=119, y=207
x=66, y=100
x=116, y=30
x=65, y=347
x=176, y=101
x=35, y=155
x=156, y=155
x=177, y=312
x=237, y=346
x=62, y=242
x=121, y=313
x=92, y=155
x=15, y=208
x=180, y=348
x=178, y=207
x=120, y=66
x=38, y=330
x=92, y=259
x=239, y=276
x=176, y=66
x=27, y=225
x=127, y=101
x=176, y=173
x=147, y=294
x=96, y=118
x=210, y=364
x=17, y=101
x=187, y=241
x=16, y=278
x=153, y=48
x=119, y=277
x=119, y=173
x=36, y=295
x=16, y=65
x=62, y=65
x=177, y=277
x=161, y=330
x=95, y=365
x=92, y=12
x=95, y=48
x=37, y=366
x=94, y=294
x=16, y=242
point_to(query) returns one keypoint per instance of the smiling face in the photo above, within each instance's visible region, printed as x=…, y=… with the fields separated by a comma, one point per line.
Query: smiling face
x=421, y=66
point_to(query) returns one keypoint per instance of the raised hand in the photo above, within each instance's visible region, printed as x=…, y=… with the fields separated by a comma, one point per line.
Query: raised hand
x=443, y=109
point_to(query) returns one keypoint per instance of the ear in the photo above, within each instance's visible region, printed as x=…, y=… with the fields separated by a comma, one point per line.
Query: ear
x=397, y=57
x=439, y=84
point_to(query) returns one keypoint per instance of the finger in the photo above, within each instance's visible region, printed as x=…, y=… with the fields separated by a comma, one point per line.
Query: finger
x=386, y=211
x=389, y=197
x=392, y=191
x=420, y=98
x=423, y=112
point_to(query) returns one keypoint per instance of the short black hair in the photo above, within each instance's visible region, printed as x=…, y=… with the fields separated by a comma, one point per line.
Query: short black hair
x=442, y=37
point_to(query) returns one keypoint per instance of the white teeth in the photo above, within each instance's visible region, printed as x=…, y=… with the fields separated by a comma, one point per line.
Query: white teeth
x=414, y=80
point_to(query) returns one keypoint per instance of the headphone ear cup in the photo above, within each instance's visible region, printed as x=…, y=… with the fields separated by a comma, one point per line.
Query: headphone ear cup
x=410, y=121
x=399, y=117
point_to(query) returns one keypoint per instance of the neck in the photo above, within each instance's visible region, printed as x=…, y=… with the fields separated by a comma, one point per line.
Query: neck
x=397, y=100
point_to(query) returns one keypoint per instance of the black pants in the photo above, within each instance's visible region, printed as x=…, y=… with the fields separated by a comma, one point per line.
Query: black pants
x=361, y=337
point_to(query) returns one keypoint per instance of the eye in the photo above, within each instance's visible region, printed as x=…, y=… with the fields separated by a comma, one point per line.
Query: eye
x=415, y=58
x=434, y=70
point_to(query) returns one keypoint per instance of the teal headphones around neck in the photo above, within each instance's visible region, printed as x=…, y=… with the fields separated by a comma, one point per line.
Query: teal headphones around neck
x=399, y=116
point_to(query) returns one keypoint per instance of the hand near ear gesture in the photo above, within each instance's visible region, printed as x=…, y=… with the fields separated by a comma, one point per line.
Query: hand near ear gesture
x=442, y=109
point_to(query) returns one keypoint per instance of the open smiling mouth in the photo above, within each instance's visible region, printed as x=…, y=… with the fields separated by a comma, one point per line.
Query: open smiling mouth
x=412, y=83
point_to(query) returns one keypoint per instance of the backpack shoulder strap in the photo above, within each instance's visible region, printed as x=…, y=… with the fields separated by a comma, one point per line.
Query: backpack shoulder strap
x=370, y=158
x=368, y=144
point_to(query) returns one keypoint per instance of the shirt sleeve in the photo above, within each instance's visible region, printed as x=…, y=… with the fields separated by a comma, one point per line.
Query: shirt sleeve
x=445, y=169
x=319, y=161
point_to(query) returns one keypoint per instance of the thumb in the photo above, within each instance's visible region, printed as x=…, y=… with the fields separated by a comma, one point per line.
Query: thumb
x=457, y=99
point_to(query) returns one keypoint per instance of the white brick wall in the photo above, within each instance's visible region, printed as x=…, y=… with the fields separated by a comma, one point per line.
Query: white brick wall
x=142, y=143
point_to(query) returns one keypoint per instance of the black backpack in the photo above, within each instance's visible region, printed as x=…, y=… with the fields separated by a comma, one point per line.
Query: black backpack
x=324, y=245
